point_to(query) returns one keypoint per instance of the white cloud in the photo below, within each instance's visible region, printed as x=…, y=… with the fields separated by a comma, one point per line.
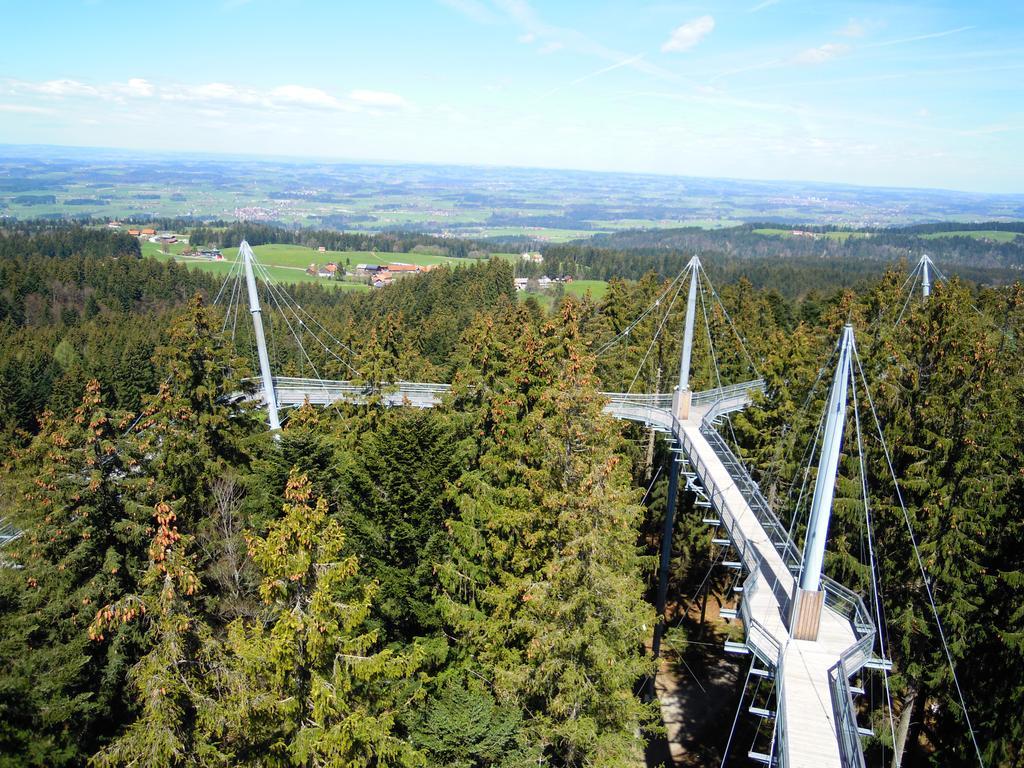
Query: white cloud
x=378, y=98
x=527, y=38
x=554, y=45
x=689, y=34
x=821, y=54
x=62, y=87
x=219, y=95
x=762, y=5
x=854, y=28
x=303, y=96
x=136, y=87
x=25, y=109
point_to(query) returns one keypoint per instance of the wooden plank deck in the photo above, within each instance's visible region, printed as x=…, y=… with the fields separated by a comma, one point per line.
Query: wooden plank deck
x=810, y=739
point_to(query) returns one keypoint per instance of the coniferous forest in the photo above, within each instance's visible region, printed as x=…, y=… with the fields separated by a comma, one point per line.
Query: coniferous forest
x=470, y=585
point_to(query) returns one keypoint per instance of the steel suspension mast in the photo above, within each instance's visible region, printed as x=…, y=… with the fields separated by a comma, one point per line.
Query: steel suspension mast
x=682, y=396
x=681, y=409
x=926, y=278
x=261, y=342
x=691, y=308
x=805, y=615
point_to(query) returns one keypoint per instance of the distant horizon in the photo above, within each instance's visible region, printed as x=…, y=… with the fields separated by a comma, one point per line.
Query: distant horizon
x=919, y=95
x=340, y=160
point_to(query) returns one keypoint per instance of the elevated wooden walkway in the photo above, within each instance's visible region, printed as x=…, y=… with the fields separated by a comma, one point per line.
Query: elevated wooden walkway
x=815, y=725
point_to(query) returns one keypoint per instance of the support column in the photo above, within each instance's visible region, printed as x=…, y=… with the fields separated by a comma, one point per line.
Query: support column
x=681, y=409
x=682, y=396
x=245, y=252
x=666, y=552
x=926, y=278
x=649, y=462
x=805, y=610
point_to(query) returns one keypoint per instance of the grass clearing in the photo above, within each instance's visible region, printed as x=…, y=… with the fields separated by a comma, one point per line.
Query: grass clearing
x=287, y=263
x=987, y=235
x=841, y=235
x=596, y=288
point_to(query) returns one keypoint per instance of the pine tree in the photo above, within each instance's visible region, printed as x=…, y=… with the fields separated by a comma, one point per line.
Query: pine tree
x=309, y=686
x=543, y=582
x=172, y=727
x=79, y=549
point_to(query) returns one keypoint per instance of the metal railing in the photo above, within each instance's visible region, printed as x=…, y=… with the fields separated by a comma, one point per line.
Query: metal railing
x=780, y=749
x=773, y=527
x=840, y=599
x=851, y=754
x=655, y=409
x=658, y=400
x=294, y=391
x=745, y=388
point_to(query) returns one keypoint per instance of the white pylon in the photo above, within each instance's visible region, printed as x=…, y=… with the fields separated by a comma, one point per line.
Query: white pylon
x=926, y=278
x=261, y=342
x=808, y=599
x=691, y=308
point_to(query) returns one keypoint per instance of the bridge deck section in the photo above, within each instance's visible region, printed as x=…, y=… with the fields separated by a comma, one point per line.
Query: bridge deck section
x=802, y=666
x=808, y=673
x=807, y=735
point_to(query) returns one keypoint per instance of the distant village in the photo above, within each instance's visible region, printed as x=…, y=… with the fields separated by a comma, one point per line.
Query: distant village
x=375, y=275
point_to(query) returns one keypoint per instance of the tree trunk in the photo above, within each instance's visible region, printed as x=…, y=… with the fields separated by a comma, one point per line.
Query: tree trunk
x=703, y=607
x=910, y=706
x=649, y=465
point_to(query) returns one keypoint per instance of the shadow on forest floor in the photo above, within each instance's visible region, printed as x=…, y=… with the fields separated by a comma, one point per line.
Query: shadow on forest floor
x=698, y=689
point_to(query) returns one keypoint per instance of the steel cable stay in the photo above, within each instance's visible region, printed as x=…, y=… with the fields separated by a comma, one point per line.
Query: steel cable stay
x=231, y=277
x=920, y=562
x=275, y=360
x=656, y=303
x=796, y=419
x=334, y=338
x=227, y=277
x=711, y=349
x=654, y=338
x=812, y=445
x=298, y=341
x=283, y=296
x=736, y=718
x=236, y=300
x=735, y=330
x=876, y=594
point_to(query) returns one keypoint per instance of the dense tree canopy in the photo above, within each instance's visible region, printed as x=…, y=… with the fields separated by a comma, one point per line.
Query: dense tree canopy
x=468, y=585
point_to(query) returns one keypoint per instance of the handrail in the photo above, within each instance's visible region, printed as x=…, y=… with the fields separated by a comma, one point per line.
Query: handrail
x=839, y=598
x=851, y=755
x=781, y=749
x=658, y=400
x=726, y=392
x=656, y=410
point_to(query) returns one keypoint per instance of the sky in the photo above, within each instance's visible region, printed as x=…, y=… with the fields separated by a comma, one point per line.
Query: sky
x=912, y=94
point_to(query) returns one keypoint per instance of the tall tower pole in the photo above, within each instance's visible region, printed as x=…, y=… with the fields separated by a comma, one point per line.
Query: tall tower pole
x=261, y=342
x=666, y=553
x=681, y=400
x=681, y=409
x=926, y=278
x=805, y=615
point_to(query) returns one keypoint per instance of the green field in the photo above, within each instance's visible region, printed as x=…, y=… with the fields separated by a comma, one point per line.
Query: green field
x=990, y=235
x=596, y=288
x=841, y=235
x=288, y=263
